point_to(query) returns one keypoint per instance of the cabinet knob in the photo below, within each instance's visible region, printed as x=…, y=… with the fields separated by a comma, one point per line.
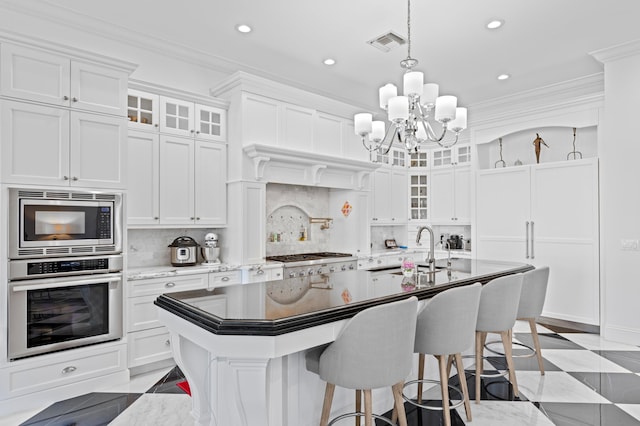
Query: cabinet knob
x=197, y=218
x=167, y=342
x=69, y=369
x=65, y=177
x=156, y=218
x=170, y=285
x=66, y=98
x=155, y=125
x=74, y=99
x=192, y=131
x=197, y=132
x=74, y=178
x=224, y=279
x=259, y=272
x=192, y=218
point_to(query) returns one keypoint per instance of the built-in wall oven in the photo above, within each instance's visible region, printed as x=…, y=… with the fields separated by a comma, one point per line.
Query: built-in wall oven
x=44, y=223
x=63, y=303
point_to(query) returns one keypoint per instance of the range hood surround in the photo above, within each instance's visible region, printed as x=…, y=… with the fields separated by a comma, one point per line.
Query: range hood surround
x=281, y=165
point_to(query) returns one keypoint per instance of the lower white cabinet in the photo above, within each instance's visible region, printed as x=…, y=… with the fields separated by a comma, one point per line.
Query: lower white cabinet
x=148, y=339
x=60, y=369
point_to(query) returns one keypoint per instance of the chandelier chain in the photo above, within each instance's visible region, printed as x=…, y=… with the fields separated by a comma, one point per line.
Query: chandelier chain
x=408, y=28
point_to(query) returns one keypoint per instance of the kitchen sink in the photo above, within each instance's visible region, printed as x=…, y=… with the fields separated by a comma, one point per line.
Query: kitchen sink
x=457, y=264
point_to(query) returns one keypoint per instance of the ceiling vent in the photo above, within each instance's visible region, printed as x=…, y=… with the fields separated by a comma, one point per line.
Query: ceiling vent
x=387, y=41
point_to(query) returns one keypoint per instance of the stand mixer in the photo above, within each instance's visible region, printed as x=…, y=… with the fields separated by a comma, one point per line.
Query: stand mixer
x=210, y=251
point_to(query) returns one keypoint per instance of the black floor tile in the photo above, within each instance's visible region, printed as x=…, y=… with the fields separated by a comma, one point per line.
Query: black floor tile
x=168, y=383
x=522, y=364
x=621, y=388
x=93, y=409
x=627, y=359
x=568, y=414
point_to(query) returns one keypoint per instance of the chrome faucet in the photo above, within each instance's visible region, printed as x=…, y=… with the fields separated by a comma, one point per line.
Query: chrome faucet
x=431, y=260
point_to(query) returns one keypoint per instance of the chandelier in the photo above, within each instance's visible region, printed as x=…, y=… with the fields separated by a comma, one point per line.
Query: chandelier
x=409, y=114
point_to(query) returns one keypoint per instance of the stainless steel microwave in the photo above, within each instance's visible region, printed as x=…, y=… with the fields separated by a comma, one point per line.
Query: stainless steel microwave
x=45, y=223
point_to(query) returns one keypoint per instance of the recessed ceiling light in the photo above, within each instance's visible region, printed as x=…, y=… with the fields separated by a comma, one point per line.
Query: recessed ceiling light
x=329, y=61
x=503, y=77
x=243, y=28
x=495, y=24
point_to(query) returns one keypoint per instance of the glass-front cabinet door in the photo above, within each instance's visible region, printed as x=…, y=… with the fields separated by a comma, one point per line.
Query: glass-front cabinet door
x=210, y=123
x=176, y=116
x=142, y=110
x=419, y=159
x=418, y=196
x=442, y=157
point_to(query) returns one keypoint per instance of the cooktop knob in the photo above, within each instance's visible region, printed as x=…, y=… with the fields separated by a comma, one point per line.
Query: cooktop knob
x=319, y=271
x=344, y=267
x=310, y=272
x=292, y=274
x=301, y=274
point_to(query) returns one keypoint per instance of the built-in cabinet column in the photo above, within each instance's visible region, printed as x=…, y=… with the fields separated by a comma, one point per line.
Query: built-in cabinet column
x=546, y=214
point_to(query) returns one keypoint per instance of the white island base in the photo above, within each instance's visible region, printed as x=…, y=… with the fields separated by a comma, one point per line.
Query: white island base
x=257, y=380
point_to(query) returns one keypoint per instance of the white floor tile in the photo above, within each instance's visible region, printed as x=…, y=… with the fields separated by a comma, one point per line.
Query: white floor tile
x=157, y=409
x=504, y=413
x=595, y=342
x=580, y=360
x=555, y=386
x=631, y=409
x=18, y=418
x=139, y=383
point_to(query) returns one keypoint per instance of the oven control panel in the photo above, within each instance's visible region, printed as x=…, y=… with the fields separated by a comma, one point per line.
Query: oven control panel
x=41, y=268
x=319, y=269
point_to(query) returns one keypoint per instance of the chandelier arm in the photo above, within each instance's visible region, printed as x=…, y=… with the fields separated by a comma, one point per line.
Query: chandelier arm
x=451, y=144
x=397, y=133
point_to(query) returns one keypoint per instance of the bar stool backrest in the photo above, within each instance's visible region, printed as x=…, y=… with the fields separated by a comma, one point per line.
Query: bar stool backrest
x=534, y=291
x=374, y=349
x=447, y=323
x=499, y=303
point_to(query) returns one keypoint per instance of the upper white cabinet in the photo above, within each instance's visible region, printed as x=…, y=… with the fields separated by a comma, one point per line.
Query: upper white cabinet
x=55, y=146
x=185, y=118
x=389, y=204
x=181, y=174
x=451, y=195
x=62, y=117
x=546, y=214
x=37, y=75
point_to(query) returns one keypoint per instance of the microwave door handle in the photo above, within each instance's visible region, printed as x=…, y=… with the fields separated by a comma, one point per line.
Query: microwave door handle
x=62, y=282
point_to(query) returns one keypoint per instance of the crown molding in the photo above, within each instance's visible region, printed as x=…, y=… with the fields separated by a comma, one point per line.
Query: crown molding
x=620, y=51
x=161, y=90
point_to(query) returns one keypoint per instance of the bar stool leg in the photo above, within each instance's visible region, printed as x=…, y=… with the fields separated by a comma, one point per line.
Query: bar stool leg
x=399, y=404
x=536, y=344
x=368, y=408
x=480, y=338
x=420, y=376
x=463, y=385
x=326, y=405
x=506, y=342
x=358, y=405
x=444, y=388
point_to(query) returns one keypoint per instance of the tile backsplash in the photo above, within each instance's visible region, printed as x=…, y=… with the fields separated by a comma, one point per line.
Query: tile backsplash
x=149, y=247
x=289, y=208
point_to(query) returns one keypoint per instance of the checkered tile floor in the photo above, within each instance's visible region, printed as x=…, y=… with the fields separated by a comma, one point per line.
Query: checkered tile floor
x=588, y=381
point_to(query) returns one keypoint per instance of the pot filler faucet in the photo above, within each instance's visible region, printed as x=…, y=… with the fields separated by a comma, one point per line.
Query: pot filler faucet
x=431, y=260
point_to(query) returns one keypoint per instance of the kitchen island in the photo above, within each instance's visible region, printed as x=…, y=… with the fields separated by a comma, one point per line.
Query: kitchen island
x=242, y=347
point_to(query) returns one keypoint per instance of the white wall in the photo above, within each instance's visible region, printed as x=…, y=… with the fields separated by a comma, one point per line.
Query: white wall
x=619, y=152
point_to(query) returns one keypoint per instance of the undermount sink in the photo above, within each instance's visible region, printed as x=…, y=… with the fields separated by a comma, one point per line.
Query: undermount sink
x=457, y=264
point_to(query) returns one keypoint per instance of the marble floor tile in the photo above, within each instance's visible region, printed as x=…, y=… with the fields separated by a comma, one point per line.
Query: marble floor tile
x=595, y=342
x=494, y=413
x=139, y=383
x=523, y=327
x=157, y=409
x=547, y=341
x=556, y=386
x=585, y=361
x=627, y=359
x=632, y=409
x=621, y=388
x=565, y=414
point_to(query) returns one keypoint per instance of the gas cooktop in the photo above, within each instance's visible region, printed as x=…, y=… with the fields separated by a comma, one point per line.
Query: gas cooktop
x=307, y=256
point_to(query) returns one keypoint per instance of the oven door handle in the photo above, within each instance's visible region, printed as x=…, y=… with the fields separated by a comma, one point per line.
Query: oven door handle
x=63, y=282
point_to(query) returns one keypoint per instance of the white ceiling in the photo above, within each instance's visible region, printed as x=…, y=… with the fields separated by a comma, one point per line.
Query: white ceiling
x=542, y=41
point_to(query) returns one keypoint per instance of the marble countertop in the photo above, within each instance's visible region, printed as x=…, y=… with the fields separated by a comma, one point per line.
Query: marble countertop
x=277, y=307
x=162, y=271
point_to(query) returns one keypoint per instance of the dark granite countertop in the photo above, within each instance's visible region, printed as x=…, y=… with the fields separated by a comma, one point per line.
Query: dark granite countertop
x=276, y=307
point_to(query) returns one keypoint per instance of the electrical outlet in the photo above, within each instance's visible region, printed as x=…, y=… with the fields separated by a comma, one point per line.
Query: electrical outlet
x=633, y=245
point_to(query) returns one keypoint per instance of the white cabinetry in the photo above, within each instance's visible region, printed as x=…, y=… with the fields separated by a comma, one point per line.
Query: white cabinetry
x=451, y=195
x=62, y=119
x=182, y=173
x=41, y=76
x=546, y=214
x=186, y=118
x=148, y=339
x=389, y=196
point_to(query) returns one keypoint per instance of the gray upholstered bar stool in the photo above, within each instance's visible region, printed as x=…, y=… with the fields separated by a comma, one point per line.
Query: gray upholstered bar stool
x=497, y=313
x=373, y=350
x=445, y=328
x=534, y=291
